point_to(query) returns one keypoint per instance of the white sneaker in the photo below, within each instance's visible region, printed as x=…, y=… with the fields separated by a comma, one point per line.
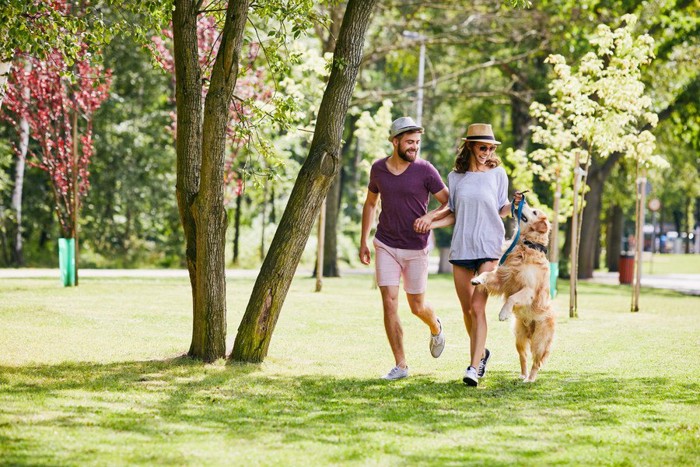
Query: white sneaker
x=483, y=362
x=437, y=342
x=396, y=373
x=470, y=377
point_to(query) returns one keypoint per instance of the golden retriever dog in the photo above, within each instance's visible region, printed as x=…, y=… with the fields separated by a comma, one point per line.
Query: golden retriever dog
x=523, y=280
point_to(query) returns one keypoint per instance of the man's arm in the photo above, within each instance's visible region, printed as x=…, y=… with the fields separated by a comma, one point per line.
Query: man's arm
x=423, y=223
x=368, y=211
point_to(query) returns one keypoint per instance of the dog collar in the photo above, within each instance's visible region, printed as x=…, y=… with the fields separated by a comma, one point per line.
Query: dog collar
x=536, y=246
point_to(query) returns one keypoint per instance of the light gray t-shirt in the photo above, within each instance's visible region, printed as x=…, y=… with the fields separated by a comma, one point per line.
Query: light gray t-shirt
x=475, y=199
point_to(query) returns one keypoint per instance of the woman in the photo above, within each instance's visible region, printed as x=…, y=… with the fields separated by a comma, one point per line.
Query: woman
x=478, y=200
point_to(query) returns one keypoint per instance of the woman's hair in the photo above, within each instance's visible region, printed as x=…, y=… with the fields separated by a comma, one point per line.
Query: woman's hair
x=465, y=154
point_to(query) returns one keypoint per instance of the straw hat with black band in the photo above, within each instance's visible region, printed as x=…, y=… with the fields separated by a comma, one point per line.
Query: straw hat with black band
x=482, y=133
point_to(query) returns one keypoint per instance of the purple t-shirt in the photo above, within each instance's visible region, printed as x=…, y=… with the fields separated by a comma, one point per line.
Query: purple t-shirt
x=404, y=199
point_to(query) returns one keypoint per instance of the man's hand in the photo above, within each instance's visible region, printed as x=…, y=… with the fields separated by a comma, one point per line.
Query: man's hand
x=365, y=255
x=422, y=224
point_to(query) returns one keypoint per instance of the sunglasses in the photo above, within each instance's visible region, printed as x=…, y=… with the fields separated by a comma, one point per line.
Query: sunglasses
x=486, y=148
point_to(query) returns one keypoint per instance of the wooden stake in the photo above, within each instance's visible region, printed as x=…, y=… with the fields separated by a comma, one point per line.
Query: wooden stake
x=639, y=237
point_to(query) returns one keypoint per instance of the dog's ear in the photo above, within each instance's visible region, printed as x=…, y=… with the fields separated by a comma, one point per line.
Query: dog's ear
x=541, y=226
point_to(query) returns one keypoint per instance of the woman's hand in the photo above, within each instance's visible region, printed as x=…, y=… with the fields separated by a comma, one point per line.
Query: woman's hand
x=518, y=196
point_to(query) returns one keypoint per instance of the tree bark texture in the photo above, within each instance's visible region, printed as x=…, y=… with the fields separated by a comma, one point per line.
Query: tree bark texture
x=312, y=185
x=333, y=203
x=17, y=192
x=333, y=199
x=188, y=99
x=613, y=248
x=590, y=224
x=201, y=138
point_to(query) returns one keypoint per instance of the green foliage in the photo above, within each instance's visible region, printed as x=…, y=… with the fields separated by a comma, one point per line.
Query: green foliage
x=6, y=156
x=598, y=108
x=75, y=390
x=37, y=27
x=130, y=216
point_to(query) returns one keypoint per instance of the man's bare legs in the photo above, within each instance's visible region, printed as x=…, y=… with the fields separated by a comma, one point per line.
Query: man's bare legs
x=392, y=322
x=424, y=311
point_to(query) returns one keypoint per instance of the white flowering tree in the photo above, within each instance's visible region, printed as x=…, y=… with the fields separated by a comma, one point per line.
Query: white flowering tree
x=598, y=114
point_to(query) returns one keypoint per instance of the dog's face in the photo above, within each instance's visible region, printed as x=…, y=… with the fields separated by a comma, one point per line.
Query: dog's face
x=534, y=223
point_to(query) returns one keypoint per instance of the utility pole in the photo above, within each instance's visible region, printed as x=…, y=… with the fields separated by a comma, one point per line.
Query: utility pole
x=421, y=73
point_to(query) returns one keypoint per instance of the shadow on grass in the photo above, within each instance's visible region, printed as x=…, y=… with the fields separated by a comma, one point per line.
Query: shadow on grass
x=370, y=418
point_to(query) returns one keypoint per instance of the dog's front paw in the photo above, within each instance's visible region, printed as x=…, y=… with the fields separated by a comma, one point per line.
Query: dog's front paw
x=505, y=313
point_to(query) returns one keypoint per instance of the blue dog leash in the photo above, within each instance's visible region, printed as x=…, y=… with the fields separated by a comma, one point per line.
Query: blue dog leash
x=517, y=233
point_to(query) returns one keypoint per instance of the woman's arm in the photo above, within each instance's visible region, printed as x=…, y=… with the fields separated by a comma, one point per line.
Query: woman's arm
x=445, y=221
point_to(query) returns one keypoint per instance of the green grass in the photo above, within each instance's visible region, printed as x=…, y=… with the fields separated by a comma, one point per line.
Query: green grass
x=95, y=375
x=665, y=264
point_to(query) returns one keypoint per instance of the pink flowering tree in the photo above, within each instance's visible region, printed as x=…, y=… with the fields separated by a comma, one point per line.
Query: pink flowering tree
x=251, y=94
x=57, y=101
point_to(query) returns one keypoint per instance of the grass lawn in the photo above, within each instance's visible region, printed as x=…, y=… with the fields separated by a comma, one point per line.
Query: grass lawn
x=95, y=375
x=665, y=264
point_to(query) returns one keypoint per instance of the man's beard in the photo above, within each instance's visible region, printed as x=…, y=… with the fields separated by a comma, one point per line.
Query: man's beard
x=404, y=155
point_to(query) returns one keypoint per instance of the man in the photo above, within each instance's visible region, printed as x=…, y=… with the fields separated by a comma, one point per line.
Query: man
x=405, y=183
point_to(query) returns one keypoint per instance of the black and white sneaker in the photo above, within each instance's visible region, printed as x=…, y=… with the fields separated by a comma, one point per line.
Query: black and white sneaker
x=481, y=371
x=470, y=377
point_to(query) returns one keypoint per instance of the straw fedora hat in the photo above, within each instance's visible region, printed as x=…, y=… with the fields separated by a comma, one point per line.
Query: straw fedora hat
x=481, y=132
x=402, y=125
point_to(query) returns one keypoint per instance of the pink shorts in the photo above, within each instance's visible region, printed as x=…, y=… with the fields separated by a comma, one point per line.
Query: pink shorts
x=392, y=263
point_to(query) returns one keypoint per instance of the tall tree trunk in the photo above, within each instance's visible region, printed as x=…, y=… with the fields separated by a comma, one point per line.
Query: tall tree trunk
x=598, y=248
x=590, y=225
x=688, y=228
x=188, y=97
x=237, y=228
x=201, y=138
x=520, y=117
x=564, y=270
x=312, y=185
x=333, y=203
x=613, y=245
x=18, y=253
x=330, y=244
x=521, y=120
x=333, y=199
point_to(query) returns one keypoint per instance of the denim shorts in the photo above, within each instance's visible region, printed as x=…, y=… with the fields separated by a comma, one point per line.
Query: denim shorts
x=472, y=264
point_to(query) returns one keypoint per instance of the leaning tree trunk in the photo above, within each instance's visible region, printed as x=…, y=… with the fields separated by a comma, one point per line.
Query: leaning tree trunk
x=201, y=138
x=311, y=187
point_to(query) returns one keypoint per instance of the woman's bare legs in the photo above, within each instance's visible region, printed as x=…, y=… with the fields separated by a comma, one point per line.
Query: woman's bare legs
x=473, y=303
